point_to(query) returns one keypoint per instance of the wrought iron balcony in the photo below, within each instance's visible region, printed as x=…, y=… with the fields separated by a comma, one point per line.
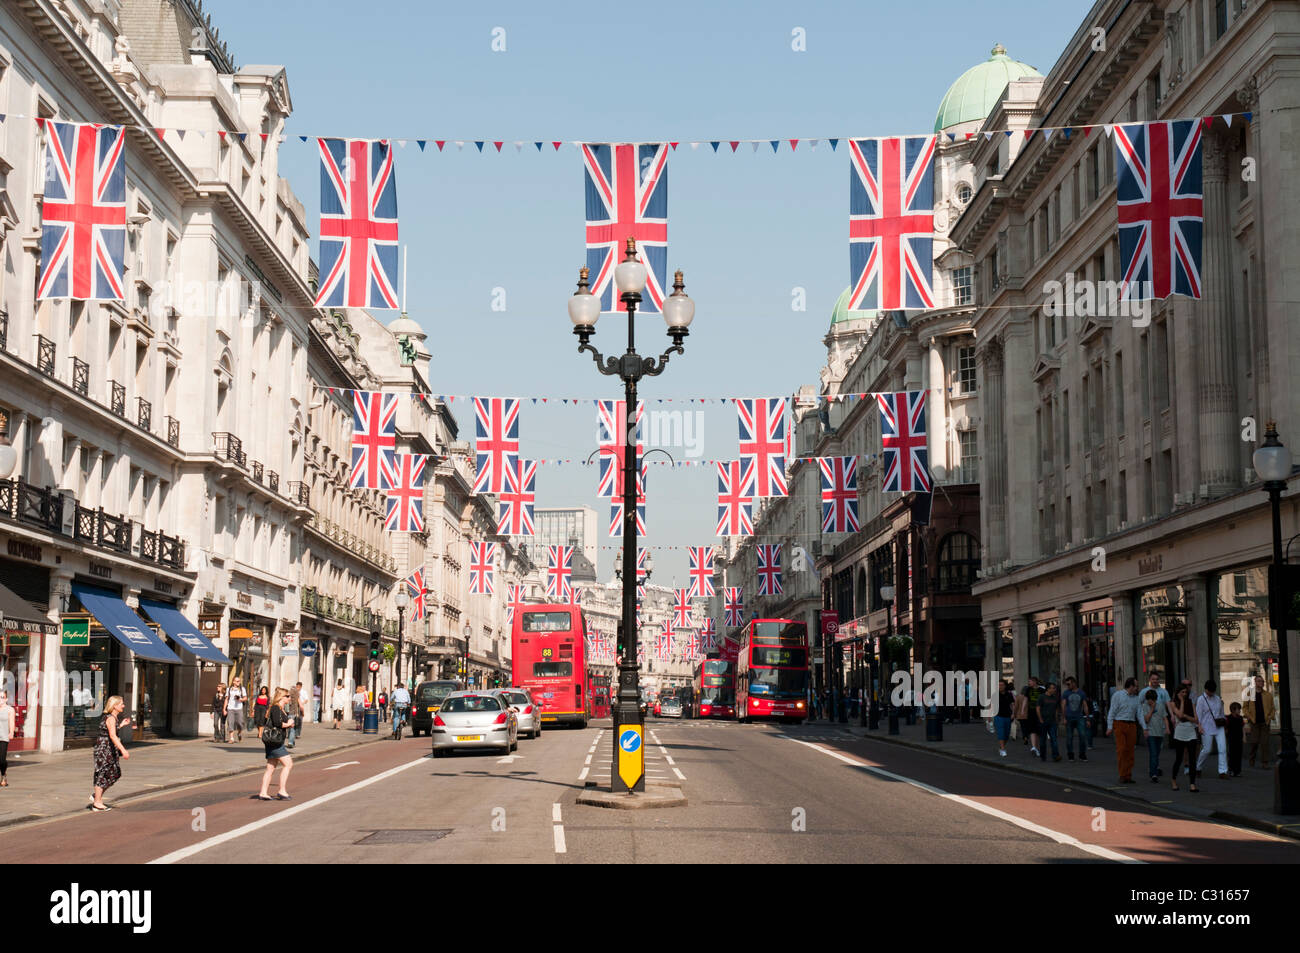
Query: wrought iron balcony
x=300, y=493
x=273, y=481
x=163, y=549
x=80, y=376
x=229, y=447
x=173, y=431
x=117, y=398
x=100, y=529
x=257, y=471
x=144, y=413
x=45, y=355
x=40, y=506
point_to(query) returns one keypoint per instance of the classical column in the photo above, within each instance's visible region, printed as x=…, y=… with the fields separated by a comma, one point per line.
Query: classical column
x=52, y=681
x=1020, y=648
x=1127, y=648
x=1201, y=656
x=937, y=409
x=1216, y=351
x=992, y=648
x=994, y=469
x=1069, y=642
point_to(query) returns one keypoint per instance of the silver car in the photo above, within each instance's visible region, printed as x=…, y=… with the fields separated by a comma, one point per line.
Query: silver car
x=670, y=707
x=474, y=720
x=529, y=712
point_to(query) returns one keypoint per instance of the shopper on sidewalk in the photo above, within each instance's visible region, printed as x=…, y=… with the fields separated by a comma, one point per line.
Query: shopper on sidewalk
x=1209, y=714
x=219, y=713
x=6, y=735
x=1186, y=734
x=304, y=706
x=1074, y=704
x=1033, y=692
x=1121, y=721
x=108, y=750
x=1235, y=730
x=1020, y=714
x=294, y=712
x=276, y=753
x=235, y=698
x=1259, y=715
x=358, y=708
x=260, y=704
x=1002, y=720
x=315, y=701
x=1049, y=713
x=339, y=703
x=1153, y=715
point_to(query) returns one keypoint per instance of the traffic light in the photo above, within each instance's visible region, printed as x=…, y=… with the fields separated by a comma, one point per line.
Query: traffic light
x=374, y=646
x=622, y=650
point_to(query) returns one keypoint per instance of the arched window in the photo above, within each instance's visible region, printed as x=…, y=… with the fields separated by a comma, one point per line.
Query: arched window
x=959, y=557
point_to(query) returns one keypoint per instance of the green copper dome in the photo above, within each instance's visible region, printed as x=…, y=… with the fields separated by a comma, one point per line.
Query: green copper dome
x=976, y=91
x=841, y=313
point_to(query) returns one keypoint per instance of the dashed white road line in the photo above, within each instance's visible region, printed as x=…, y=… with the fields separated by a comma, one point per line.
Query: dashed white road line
x=588, y=761
x=583, y=776
x=560, y=847
x=679, y=774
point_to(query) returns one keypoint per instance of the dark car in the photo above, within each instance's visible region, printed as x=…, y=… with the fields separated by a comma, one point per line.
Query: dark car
x=425, y=702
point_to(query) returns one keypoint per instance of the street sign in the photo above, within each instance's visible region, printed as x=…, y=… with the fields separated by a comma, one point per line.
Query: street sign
x=374, y=666
x=308, y=648
x=631, y=755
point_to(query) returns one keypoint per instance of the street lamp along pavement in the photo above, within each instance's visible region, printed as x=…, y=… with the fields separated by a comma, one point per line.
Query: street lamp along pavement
x=584, y=312
x=403, y=600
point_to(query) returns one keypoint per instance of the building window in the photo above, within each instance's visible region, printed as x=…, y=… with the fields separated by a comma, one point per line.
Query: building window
x=961, y=286
x=966, y=370
x=958, y=561
x=970, y=465
x=964, y=193
x=995, y=280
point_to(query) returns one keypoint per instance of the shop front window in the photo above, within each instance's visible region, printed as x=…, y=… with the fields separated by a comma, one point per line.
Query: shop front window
x=19, y=678
x=1247, y=643
x=1045, y=659
x=86, y=675
x=1097, y=654
x=1008, y=661
x=1162, y=624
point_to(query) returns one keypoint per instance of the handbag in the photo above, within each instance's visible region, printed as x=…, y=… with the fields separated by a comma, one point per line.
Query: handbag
x=1185, y=731
x=272, y=735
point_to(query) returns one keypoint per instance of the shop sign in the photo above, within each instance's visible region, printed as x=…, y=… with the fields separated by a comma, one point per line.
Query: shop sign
x=24, y=550
x=76, y=631
x=1150, y=564
x=102, y=570
x=243, y=598
x=18, y=639
x=162, y=585
x=288, y=644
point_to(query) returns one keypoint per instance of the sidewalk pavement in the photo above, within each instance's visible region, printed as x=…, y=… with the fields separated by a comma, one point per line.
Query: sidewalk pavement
x=46, y=785
x=1246, y=801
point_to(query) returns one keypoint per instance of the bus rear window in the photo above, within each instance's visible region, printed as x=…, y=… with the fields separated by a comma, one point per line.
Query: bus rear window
x=552, y=669
x=546, y=622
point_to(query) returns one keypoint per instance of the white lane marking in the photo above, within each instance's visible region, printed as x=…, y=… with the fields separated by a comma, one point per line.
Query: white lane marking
x=679, y=774
x=669, y=760
x=583, y=776
x=555, y=813
x=216, y=839
x=1047, y=832
x=560, y=847
x=588, y=761
x=341, y=764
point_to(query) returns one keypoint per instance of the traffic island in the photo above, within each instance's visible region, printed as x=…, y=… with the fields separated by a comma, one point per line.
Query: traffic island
x=655, y=795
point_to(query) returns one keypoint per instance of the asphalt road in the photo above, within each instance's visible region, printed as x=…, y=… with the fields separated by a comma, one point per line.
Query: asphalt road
x=757, y=793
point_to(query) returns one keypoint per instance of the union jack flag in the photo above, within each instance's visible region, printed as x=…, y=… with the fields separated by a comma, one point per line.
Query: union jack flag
x=839, y=494
x=735, y=499
x=558, y=570
x=514, y=598
x=641, y=574
x=664, y=646
x=693, y=645
x=482, y=563
x=734, y=605
x=517, y=500
x=614, y=427
x=891, y=223
x=358, y=225
x=575, y=596
x=404, y=477
x=701, y=570
x=903, y=440
x=415, y=588
x=83, y=213
x=627, y=197
x=709, y=635
x=374, y=438
x=762, y=442
x=769, y=569
x=1161, y=208
x=496, y=429
x=640, y=652
x=616, y=508
x=681, y=610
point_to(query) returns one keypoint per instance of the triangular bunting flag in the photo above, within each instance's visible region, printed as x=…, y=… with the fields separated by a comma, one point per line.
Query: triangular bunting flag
x=673, y=145
x=538, y=145
x=557, y=145
x=715, y=145
x=1007, y=133
x=794, y=145
x=1208, y=123
x=1066, y=132
x=499, y=145
x=812, y=144
x=264, y=135
x=734, y=144
x=834, y=143
x=421, y=143
x=970, y=135
x=460, y=145
x=160, y=132
x=776, y=144
x=988, y=136
x=1227, y=118
x=302, y=138
x=243, y=136
x=754, y=144
x=222, y=134
x=694, y=146
x=519, y=147
x=180, y=133
x=1047, y=133
x=952, y=137
x=1108, y=128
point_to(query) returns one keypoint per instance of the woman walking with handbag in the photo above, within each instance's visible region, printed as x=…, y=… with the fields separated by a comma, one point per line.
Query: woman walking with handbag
x=1182, y=712
x=108, y=749
x=273, y=735
x=219, y=713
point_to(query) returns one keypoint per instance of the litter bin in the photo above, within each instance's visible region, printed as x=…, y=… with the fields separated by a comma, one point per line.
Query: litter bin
x=370, y=724
x=933, y=724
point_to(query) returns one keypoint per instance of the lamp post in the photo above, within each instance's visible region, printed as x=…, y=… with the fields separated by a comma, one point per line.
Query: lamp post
x=403, y=600
x=887, y=597
x=467, y=632
x=1273, y=464
x=584, y=311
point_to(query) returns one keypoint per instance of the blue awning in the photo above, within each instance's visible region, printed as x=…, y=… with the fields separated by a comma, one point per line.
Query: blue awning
x=178, y=627
x=128, y=628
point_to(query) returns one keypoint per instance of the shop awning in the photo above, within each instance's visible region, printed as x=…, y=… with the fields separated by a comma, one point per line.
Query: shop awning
x=128, y=628
x=21, y=617
x=170, y=619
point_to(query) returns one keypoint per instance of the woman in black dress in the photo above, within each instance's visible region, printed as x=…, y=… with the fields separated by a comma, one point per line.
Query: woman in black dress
x=276, y=753
x=259, y=710
x=108, y=749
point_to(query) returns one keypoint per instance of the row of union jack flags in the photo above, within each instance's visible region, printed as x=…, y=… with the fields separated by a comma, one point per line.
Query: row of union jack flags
x=376, y=464
x=891, y=214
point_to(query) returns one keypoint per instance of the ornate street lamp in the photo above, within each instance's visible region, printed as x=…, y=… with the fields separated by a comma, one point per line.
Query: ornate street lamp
x=1273, y=464
x=584, y=312
x=403, y=600
x=467, y=632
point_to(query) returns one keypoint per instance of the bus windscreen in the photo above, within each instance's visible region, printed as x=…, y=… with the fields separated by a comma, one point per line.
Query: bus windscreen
x=547, y=622
x=778, y=682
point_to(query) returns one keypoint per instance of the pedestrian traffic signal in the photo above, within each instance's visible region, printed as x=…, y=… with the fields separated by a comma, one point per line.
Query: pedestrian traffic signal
x=374, y=646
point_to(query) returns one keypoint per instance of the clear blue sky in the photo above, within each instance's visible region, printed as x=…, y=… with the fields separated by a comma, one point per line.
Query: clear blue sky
x=746, y=228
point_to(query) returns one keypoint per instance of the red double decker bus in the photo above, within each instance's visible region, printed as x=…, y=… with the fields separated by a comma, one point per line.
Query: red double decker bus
x=714, y=688
x=772, y=670
x=600, y=697
x=549, y=659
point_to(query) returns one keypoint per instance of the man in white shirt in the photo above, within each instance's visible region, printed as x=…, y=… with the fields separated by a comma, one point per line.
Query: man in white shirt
x=339, y=703
x=1209, y=714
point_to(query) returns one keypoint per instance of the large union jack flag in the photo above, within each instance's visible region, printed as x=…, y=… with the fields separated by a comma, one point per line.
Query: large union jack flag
x=734, y=605
x=665, y=647
x=693, y=645
x=903, y=441
x=415, y=588
x=514, y=599
x=482, y=565
x=496, y=431
x=682, y=618
x=701, y=570
x=615, y=433
x=516, y=502
x=83, y=212
x=762, y=442
x=709, y=635
x=891, y=223
x=769, y=569
x=1161, y=208
x=559, y=569
x=358, y=224
x=616, y=519
x=404, y=476
x=627, y=197
x=839, y=494
x=735, y=499
x=374, y=438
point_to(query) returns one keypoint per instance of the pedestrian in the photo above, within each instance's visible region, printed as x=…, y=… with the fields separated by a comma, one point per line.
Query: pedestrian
x=1152, y=718
x=1002, y=720
x=108, y=750
x=1186, y=733
x=1121, y=720
x=358, y=707
x=1074, y=705
x=339, y=703
x=1259, y=715
x=235, y=698
x=6, y=735
x=1049, y=713
x=273, y=740
x=219, y=713
x=260, y=704
x=304, y=707
x=1209, y=714
x=293, y=709
x=383, y=705
x=1235, y=731
x=1021, y=715
x=1035, y=690
x=315, y=701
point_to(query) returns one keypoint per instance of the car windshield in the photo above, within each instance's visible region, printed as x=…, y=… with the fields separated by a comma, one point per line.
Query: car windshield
x=462, y=704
